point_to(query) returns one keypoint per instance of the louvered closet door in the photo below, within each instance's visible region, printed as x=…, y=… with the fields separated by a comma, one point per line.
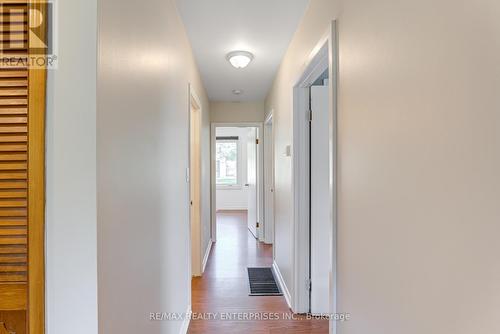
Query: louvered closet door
x=18, y=249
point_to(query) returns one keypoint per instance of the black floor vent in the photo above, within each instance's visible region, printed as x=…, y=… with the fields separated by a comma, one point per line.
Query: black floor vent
x=262, y=282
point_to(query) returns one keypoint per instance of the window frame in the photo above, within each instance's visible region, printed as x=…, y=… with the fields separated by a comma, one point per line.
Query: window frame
x=238, y=185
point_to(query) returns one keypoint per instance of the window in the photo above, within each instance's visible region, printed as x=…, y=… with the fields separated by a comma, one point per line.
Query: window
x=227, y=161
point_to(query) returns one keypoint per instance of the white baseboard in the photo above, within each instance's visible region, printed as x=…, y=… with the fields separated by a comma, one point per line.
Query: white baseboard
x=186, y=321
x=236, y=208
x=282, y=284
x=268, y=240
x=207, y=254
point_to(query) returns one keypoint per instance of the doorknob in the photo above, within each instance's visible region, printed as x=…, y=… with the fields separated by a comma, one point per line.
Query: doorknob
x=247, y=185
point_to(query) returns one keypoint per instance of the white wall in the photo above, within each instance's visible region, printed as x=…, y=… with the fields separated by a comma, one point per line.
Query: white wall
x=419, y=155
x=235, y=198
x=71, y=237
x=145, y=65
x=235, y=112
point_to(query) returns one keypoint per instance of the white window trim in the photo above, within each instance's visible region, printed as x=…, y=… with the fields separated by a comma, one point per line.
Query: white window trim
x=238, y=185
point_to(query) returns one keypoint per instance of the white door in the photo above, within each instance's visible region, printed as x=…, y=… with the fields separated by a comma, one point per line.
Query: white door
x=252, y=180
x=320, y=204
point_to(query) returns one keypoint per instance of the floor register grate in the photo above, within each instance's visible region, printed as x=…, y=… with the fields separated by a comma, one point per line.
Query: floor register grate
x=262, y=282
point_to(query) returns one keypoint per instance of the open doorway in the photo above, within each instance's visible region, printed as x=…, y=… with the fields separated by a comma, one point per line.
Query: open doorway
x=314, y=181
x=311, y=187
x=194, y=177
x=237, y=159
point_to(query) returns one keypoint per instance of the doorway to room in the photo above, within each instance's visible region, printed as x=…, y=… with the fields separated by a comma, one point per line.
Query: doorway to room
x=237, y=177
x=194, y=177
x=314, y=180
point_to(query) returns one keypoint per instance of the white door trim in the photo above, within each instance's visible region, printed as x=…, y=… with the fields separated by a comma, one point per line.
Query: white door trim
x=260, y=171
x=323, y=56
x=333, y=60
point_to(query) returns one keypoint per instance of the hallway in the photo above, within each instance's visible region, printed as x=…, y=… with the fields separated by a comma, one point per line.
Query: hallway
x=110, y=184
x=224, y=285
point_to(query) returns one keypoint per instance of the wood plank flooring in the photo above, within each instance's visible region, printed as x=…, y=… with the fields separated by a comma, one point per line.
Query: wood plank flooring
x=223, y=289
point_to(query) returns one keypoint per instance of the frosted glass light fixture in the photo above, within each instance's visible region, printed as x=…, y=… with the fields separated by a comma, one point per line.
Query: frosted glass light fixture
x=240, y=59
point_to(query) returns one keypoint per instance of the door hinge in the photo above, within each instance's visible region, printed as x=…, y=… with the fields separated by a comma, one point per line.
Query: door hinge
x=258, y=224
x=309, y=285
x=310, y=115
x=257, y=141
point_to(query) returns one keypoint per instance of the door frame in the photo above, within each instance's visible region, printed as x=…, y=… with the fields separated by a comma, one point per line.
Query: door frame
x=195, y=262
x=268, y=136
x=37, y=90
x=260, y=170
x=324, y=55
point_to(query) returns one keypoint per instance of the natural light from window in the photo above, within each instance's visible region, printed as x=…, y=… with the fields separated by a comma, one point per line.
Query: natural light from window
x=227, y=162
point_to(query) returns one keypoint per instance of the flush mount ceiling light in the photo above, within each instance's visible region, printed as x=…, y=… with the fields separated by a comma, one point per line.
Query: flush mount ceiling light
x=240, y=59
x=237, y=91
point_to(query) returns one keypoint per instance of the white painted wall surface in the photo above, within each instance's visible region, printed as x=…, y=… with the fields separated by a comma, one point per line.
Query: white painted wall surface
x=232, y=199
x=235, y=112
x=71, y=218
x=145, y=65
x=419, y=155
x=235, y=198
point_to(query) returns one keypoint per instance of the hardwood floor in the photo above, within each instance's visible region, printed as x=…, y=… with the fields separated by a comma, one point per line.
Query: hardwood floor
x=223, y=289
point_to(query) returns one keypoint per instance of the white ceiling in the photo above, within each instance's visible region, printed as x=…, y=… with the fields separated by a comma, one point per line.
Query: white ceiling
x=217, y=27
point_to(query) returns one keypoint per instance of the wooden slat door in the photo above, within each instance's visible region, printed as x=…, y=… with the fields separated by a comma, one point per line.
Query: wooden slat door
x=22, y=106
